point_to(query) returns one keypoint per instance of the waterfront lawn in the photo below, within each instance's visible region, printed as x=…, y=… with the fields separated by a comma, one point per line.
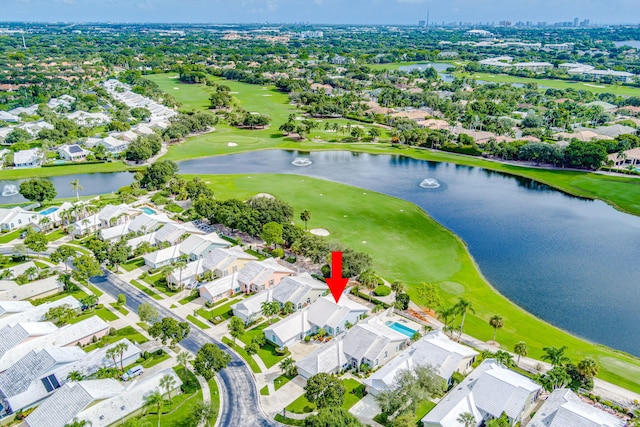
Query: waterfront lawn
x=406, y=244
x=146, y=290
x=133, y=264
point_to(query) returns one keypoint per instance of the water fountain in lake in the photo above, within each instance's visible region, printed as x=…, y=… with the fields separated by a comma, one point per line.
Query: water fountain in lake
x=9, y=190
x=301, y=161
x=430, y=183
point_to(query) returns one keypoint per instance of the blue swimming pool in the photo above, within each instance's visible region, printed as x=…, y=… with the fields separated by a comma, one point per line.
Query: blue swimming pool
x=49, y=210
x=399, y=327
x=147, y=210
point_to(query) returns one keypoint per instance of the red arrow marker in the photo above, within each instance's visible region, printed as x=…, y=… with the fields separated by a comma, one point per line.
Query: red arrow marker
x=336, y=282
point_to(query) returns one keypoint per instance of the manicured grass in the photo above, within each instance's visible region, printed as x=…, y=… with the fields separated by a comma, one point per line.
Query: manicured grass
x=423, y=409
x=143, y=325
x=155, y=359
x=146, y=290
x=197, y=322
x=264, y=391
x=288, y=421
x=41, y=264
x=214, y=392
x=353, y=393
x=97, y=292
x=188, y=299
x=252, y=363
x=223, y=311
x=280, y=381
x=77, y=295
x=120, y=308
x=406, y=244
x=158, y=282
x=268, y=352
x=7, y=237
x=594, y=87
x=133, y=264
x=102, y=313
x=115, y=166
x=127, y=332
x=55, y=235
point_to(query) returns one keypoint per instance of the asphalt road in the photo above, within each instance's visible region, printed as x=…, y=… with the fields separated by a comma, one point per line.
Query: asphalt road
x=240, y=406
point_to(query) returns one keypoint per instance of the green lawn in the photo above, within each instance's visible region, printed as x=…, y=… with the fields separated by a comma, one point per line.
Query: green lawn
x=280, y=381
x=127, y=332
x=423, y=409
x=102, y=313
x=41, y=264
x=159, y=282
x=7, y=237
x=594, y=87
x=353, y=393
x=154, y=360
x=55, y=235
x=97, y=292
x=223, y=311
x=120, y=308
x=188, y=299
x=406, y=244
x=252, y=363
x=22, y=173
x=197, y=322
x=268, y=352
x=264, y=391
x=133, y=264
x=146, y=290
x=77, y=295
x=214, y=392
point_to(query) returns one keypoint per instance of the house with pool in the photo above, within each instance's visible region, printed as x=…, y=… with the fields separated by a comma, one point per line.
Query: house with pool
x=370, y=342
x=334, y=318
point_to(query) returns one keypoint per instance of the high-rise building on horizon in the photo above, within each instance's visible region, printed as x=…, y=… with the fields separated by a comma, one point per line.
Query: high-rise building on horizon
x=575, y=22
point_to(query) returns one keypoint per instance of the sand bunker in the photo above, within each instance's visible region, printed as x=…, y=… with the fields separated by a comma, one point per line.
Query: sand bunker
x=266, y=95
x=320, y=232
x=232, y=144
x=176, y=88
x=265, y=195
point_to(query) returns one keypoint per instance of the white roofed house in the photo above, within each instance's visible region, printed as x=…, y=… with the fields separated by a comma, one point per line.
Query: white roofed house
x=434, y=349
x=163, y=257
x=323, y=314
x=42, y=371
x=199, y=246
x=37, y=289
x=12, y=336
x=488, y=392
x=72, y=153
x=300, y=290
x=142, y=223
x=113, y=145
x=9, y=117
x=220, y=288
x=225, y=261
x=109, y=216
x=13, y=218
x=34, y=128
x=36, y=313
x=27, y=158
x=84, y=118
x=99, y=402
x=564, y=408
x=257, y=276
x=8, y=308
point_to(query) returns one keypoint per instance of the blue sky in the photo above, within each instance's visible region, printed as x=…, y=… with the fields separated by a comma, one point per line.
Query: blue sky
x=318, y=11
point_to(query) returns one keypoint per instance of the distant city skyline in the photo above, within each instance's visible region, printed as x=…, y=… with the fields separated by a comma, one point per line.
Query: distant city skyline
x=362, y=12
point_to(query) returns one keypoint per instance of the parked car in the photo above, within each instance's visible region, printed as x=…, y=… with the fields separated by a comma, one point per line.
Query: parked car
x=133, y=372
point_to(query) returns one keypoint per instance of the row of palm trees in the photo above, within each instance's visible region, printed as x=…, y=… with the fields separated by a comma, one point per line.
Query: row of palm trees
x=448, y=316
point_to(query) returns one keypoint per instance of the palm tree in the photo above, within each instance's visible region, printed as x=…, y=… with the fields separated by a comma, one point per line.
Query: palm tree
x=183, y=359
x=288, y=367
x=369, y=279
x=270, y=309
x=374, y=133
x=588, y=367
x=397, y=286
x=555, y=356
x=461, y=308
x=112, y=353
x=496, y=323
x=448, y=317
x=75, y=186
x=168, y=382
x=75, y=376
x=45, y=222
x=120, y=348
x=467, y=419
x=31, y=272
x=154, y=399
x=521, y=349
x=78, y=423
x=504, y=357
x=180, y=265
x=288, y=308
x=305, y=216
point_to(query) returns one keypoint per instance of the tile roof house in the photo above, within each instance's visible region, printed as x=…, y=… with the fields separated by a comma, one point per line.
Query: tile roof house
x=301, y=290
x=368, y=342
x=325, y=314
x=434, y=349
x=224, y=261
x=27, y=158
x=257, y=276
x=564, y=408
x=69, y=335
x=488, y=392
x=72, y=153
x=41, y=372
x=36, y=313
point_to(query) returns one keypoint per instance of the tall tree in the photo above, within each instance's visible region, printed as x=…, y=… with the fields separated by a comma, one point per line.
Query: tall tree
x=147, y=313
x=305, y=216
x=209, y=360
x=236, y=328
x=462, y=306
x=588, y=367
x=168, y=382
x=75, y=186
x=154, y=399
x=288, y=367
x=429, y=295
x=555, y=356
x=183, y=359
x=170, y=330
x=324, y=390
x=120, y=348
x=369, y=279
x=86, y=266
x=36, y=241
x=270, y=309
x=334, y=417
x=38, y=190
x=496, y=323
x=521, y=349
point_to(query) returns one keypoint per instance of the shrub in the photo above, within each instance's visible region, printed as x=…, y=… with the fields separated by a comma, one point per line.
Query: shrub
x=382, y=291
x=146, y=355
x=113, y=332
x=277, y=253
x=282, y=351
x=307, y=338
x=402, y=301
x=159, y=352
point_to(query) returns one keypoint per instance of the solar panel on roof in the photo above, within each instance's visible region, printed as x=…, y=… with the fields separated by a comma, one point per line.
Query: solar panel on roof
x=75, y=149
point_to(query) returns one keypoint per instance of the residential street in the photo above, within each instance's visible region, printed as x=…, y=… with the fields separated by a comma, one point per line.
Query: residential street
x=240, y=405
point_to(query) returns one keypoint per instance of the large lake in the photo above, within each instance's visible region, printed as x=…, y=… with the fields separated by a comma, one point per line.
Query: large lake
x=570, y=261
x=630, y=43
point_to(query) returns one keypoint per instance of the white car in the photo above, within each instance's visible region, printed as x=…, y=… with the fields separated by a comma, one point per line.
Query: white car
x=133, y=372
